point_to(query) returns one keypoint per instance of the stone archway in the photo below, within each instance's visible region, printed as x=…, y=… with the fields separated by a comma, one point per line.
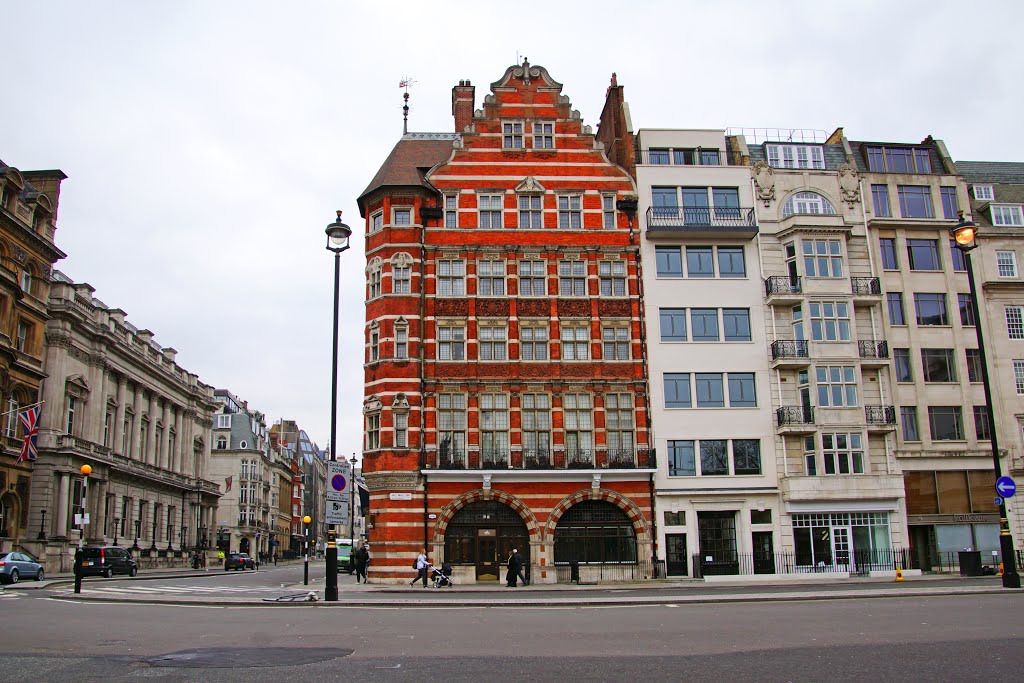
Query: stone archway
x=10, y=512
x=640, y=525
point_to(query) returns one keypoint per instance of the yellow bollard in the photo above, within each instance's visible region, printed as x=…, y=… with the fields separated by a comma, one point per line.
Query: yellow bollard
x=1000, y=569
x=899, y=574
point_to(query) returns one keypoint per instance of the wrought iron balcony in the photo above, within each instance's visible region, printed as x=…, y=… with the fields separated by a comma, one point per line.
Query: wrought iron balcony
x=672, y=221
x=872, y=350
x=527, y=459
x=880, y=415
x=783, y=349
x=795, y=415
x=866, y=286
x=782, y=285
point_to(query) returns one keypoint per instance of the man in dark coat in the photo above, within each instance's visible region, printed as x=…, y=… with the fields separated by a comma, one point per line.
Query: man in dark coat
x=362, y=559
x=515, y=564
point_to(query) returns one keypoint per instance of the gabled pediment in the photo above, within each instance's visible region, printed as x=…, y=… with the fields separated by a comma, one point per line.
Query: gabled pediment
x=530, y=185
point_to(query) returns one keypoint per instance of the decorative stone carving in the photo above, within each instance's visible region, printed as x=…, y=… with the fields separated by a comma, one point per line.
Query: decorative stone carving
x=526, y=72
x=492, y=308
x=374, y=264
x=613, y=308
x=573, y=308
x=451, y=308
x=401, y=260
x=849, y=184
x=530, y=185
x=764, y=181
x=392, y=481
x=58, y=339
x=596, y=483
x=372, y=405
x=19, y=254
x=487, y=482
x=533, y=308
x=401, y=402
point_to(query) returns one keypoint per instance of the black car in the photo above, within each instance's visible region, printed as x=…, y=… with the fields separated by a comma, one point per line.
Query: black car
x=107, y=560
x=239, y=561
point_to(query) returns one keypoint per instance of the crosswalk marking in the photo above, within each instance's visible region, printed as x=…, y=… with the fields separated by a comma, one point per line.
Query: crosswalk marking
x=5, y=594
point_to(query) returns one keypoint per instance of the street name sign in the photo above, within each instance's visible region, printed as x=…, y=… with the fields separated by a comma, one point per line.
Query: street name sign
x=1006, y=487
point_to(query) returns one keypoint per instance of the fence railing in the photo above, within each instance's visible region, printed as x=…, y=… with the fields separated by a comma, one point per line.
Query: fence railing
x=880, y=415
x=668, y=216
x=859, y=562
x=795, y=415
x=789, y=349
x=865, y=285
x=610, y=572
x=781, y=284
x=601, y=458
x=689, y=156
x=872, y=349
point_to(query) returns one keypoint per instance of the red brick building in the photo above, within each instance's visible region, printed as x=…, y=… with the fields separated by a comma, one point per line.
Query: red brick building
x=505, y=390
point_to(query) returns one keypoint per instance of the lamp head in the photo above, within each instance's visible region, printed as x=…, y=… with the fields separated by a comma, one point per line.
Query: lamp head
x=307, y=519
x=337, y=235
x=86, y=470
x=964, y=233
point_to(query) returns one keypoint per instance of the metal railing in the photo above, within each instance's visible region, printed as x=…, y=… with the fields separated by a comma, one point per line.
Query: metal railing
x=608, y=572
x=782, y=284
x=880, y=415
x=858, y=562
x=790, y=349
x=526, y=459
x=668, y=216
x=795, y=415
x=866, y=285
x=872, y=349
x=689, y=156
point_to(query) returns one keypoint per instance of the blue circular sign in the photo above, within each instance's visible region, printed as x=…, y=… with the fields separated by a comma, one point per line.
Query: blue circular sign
x=338, y=482
x=1006, y=487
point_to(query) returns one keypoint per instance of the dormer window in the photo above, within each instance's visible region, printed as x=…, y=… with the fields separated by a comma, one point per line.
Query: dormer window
x=898, y=160
x=984, y=193
x=795, y=156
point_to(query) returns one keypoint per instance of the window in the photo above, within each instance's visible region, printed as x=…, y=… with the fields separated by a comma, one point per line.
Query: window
x=512, y=135
x=570, y=212
x=402, y=216
x=1015, y=322
x=223, y=421
x=543, y=135
x=677, y=390
x=736, y=324
x=494, y=429
x=1007, y=215
x=375, y=283
x=451, y=342
x=372, y=432
x=575, y=343
x=699, y=262
x=222, y=443
x=23, y=337
x=108, y=426
x=1007, y=263
x=887, y=245
x=72, y=406
x=742, y=393
x=401, y=279
x=665, y=203
x=673, y=324
x=492, y=343
x=451, y=211
x=956, y=256
x=26, y=280
x=984, y=192
x=572, y=278
x=973, y=365
x=374, y=345
x=657, y=157
x=669, y=261
x=795, y=156
x=916, y=201
x=880, y=196
x=945, y=423
x=823, y=258
x=579, y=425
x=746, y=457
x=710, y=390
x=807, y=203
x=376, y=221
x=490, y=278
x=451, y=278
x=727, y=203
x=1018, y=376
x=966, y=310
x=684, y=157
x=837, y=386
x=533, y=342
x=451, y=427
x=842, y=453
x=608, y=211
x=531, y=213
x=401, y=341
x=709, y=157
x=901, y=359
x=760, y=516
x=938, y=365
x=731, y=262
x=490, y=209
x=536, y=416
x=616, y=343
x=810, y=462
x=908, y=418
x=898, y=160
x=618, y=412
x=931, y=309
x=950, y=206
x=923, y=254
x=612, y=276
x=894, y=300
x=533, y=278
x=981, y=424
x=681, y=461
x=830, y=321
x=714, y=457
x=704, y=324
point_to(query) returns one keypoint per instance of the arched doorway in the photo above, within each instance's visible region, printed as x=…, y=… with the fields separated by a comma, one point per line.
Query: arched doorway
x=243, y=545
x=9, y=516
x=483, y=534
x=595, y=532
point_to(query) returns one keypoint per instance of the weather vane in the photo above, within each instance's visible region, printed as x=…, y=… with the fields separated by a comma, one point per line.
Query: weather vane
x=406, y=83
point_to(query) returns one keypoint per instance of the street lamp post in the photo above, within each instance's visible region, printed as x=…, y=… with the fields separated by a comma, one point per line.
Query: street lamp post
x=42, y=527
x=86, y=471
x=963, y=237
x=138, y=527
x=352, y=512
x=305, y=572
x=337, y=241
x=117, y=526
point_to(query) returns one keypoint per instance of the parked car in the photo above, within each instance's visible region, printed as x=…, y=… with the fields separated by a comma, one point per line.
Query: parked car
x=346, y=561
x=14, y=566
x=239, y=561
x=108, y=560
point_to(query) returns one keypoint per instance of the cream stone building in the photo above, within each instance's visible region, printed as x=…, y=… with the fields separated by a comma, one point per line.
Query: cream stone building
x=117, y=401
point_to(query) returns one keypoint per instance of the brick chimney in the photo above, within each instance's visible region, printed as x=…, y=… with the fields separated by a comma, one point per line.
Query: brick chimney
x=463, y=97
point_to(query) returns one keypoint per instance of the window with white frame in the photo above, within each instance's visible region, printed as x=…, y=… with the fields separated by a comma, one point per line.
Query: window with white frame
x=401, y=430
x=372, y=432
x=494, y=425
x=490, y=209
x=531, y=211
x=533, y=341
x=795, y=156
x=579, y=426
x=536, y=418
x=572, y=278
x=543, y=135
x=533, y=278
x=21, y=343
x=612, y=276
x=608, y=211
x=451, y=427
x=451, y=278
x=1007, y=214
x=830, y=320
x=376, y=221
x=1015, y=322
x=984, y=193
x=72, y=408
x=374, y=345
x=823, y=258
x=1007, y=263
x=837, y=386
x=615, y=340
x=512, y=135
x=401, y=279
x=451, y=342
x=224, y=421
x=451, y=211
x=375, y=283
x=570, y=211
x=843, y=453
x=26, y=280
x=490, y=278
x=618, y=419
x=575, y=342
x=402, y=216
x=807, y=203
x=1018, y=376
x=492, y=343
x=401, y=340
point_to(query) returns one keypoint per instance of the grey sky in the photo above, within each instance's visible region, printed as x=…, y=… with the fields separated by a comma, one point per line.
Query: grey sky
x=209, y=143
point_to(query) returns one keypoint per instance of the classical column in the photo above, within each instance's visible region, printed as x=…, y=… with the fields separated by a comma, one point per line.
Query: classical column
x=152, y=456
x=179, y=439
x=63, y=497
x=165, y=420
x=96, y=405
x=136, y=437
x=99, y=525
x=122, y=386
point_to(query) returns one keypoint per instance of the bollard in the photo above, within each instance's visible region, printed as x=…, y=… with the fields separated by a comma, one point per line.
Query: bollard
x=1000, y=569
x=899, y=574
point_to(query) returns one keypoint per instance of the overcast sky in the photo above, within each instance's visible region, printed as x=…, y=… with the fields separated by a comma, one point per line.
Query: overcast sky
x=208, y=144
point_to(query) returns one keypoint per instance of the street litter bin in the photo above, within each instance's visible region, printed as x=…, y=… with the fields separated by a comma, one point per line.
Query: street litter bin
x=970, y=563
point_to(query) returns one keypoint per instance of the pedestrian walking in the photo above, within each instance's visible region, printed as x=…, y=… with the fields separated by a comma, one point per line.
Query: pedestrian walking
x=275, y=558
x=515, y=565
x=522, y=567
x=421, y=565
x=362, y=559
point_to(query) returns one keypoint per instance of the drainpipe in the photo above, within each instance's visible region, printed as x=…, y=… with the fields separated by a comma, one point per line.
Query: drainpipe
x=423, y=381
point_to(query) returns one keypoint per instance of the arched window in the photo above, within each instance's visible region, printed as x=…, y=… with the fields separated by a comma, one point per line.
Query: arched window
x=595, y=531
x=807, y=203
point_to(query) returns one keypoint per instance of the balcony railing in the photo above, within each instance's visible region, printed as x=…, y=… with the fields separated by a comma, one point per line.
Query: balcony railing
x=795, y=415
x=880, y=415
x=782, y=284
x=872, y=349
x=690, y=156
x=673, y=216
x=790, y=349
x=866, y=285
x=602, y=458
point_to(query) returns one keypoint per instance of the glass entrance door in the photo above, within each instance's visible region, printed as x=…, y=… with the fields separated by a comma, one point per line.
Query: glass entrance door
x=487, y=563
x=841, y=550
x=764, y=552
x=675, y=555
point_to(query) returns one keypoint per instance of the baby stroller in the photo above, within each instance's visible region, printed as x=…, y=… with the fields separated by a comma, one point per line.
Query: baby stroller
x=442, y=575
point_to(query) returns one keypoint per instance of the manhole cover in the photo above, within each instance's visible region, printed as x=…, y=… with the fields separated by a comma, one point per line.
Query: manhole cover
x=231, y=657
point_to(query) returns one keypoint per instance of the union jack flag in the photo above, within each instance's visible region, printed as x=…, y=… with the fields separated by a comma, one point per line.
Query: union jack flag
x=30, y=426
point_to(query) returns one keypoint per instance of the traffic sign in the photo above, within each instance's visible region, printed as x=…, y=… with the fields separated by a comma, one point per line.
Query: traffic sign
x=337, y=512
x=1006, y=487
x=998, y=501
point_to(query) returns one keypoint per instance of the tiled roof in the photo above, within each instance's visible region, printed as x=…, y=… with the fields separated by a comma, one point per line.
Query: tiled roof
x=991, y=171
x=410, y=159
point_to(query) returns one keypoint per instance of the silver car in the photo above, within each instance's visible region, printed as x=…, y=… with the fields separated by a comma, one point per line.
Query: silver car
x=14, y=566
